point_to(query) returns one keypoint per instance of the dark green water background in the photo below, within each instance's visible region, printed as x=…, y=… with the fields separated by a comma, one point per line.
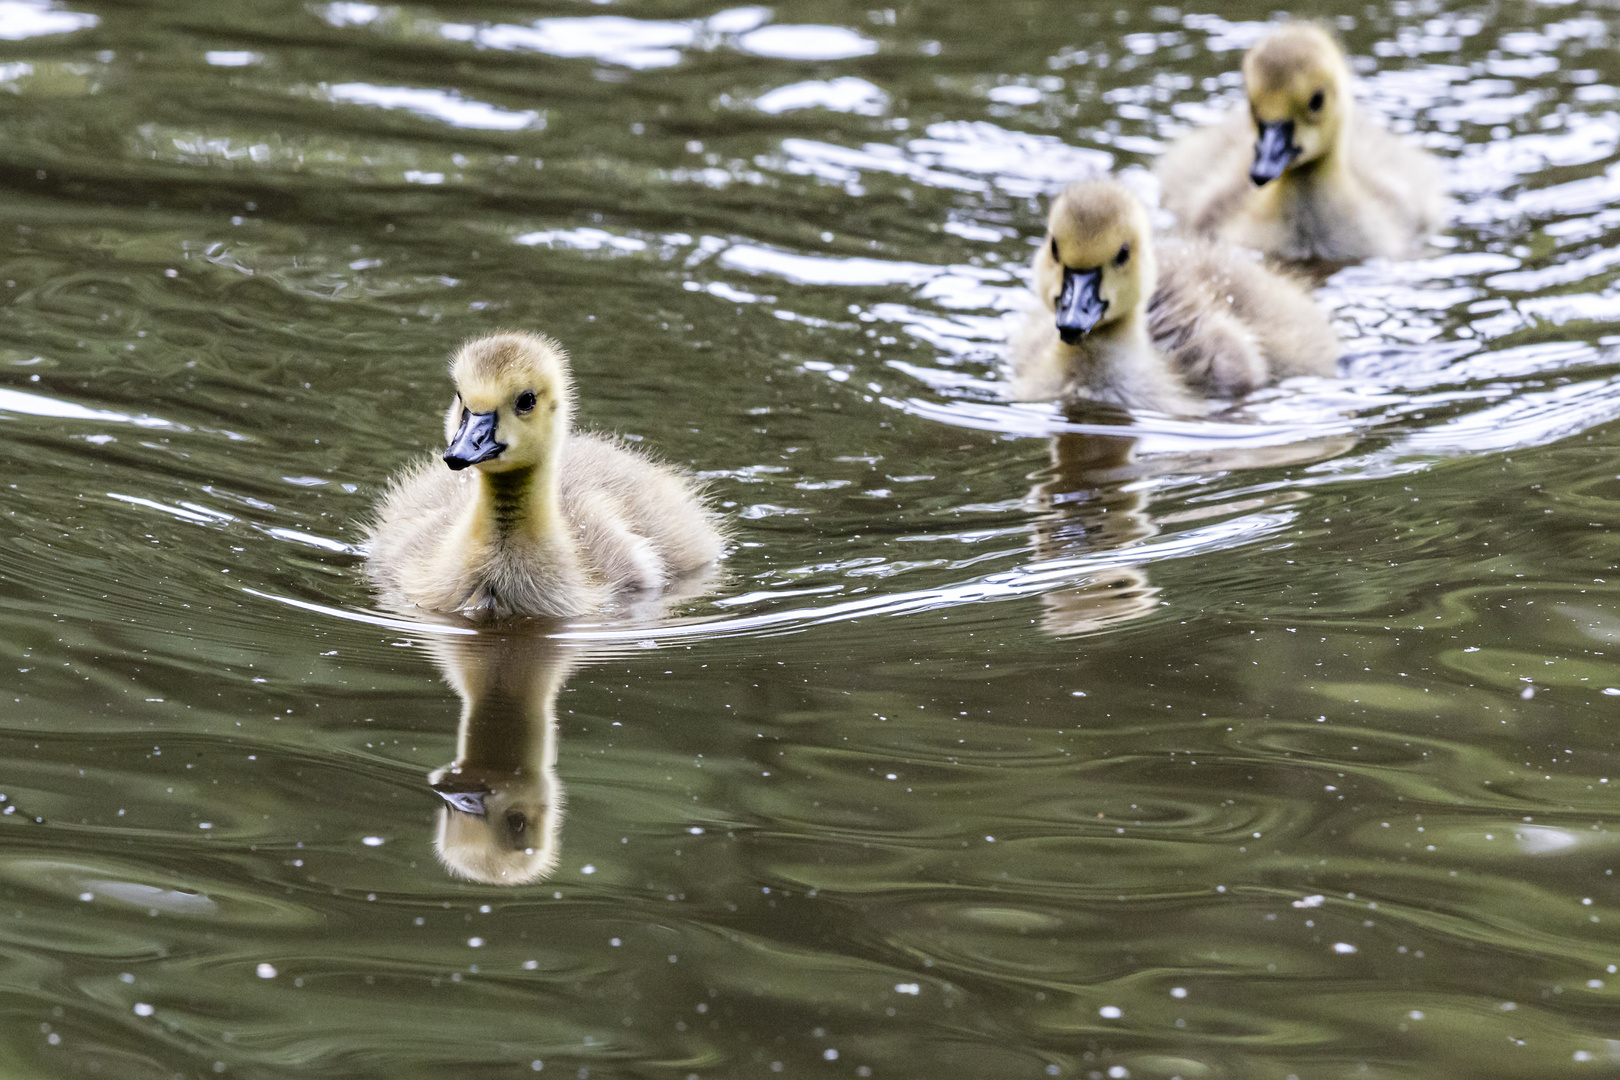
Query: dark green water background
x=1278, y=745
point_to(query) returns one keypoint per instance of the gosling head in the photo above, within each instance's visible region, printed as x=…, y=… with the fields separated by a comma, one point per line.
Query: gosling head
x=1299, y=95
x=498, y=829
x=1096, y=266
x=513, y=403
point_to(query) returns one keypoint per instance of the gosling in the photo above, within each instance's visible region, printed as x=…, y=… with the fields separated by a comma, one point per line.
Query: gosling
x=531, y=518
x=1301, y=174
x=1113, y=326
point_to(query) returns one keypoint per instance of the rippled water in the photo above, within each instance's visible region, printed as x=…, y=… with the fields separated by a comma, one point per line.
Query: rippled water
x=1011, y=744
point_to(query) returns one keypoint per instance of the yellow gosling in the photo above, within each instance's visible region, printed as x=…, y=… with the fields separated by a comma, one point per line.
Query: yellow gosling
x=531, y=517
x=1116, y=323
x=1299, y=173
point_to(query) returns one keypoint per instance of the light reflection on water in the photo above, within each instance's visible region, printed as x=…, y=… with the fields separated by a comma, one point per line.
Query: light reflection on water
x=1010, y=742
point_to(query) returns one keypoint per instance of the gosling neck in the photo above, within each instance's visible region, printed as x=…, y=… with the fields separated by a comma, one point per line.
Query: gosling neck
x=522, y=505
x=509, y=691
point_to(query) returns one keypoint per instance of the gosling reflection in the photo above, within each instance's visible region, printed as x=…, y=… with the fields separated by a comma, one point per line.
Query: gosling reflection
x=1090, y=507
x=503, y=803
x=1095, y=500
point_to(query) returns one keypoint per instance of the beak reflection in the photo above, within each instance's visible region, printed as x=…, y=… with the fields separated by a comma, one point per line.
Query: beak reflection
x=464, y=802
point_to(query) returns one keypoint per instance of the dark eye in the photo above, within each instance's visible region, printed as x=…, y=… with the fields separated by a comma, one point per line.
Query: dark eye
x=525, y=401
x=516, y=822
x=1316, y=101
x=1054, y=250
x=1124, y=255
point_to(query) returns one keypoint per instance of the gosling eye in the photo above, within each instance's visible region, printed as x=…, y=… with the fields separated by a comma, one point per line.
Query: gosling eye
x=525, y=402
x=1317, y=100
x=1124, y=255
x=1054, y=250
x=516, y=822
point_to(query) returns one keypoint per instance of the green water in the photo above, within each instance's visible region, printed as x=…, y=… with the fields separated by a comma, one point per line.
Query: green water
x=1008, y=745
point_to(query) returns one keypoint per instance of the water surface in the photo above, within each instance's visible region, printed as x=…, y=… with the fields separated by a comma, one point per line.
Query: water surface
x=1010, y=744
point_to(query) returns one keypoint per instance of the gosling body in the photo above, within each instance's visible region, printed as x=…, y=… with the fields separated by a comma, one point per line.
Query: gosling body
x=1120, y=322
x=531, y=517
x=1297, y=171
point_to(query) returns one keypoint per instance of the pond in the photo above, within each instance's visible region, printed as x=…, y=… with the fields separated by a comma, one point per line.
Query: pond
x=1008, y=743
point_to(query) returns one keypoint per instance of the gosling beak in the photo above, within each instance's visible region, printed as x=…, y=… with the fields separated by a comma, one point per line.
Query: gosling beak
x=474, y=442
x=1273, y=151
x=1079, y=306
x=467, y=802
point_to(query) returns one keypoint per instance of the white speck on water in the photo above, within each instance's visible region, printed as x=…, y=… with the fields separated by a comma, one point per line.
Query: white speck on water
x=266, y=971
x=1344, y=948
x=475, y=943
x=587, y=869
x=1178, y=991
x=373, y=841
x=87, y=896
x=1109, y=1012
x=1415, y=1014
x=830, y=1054
x=143, y=1009
x=908, y=988
x=1315, y=900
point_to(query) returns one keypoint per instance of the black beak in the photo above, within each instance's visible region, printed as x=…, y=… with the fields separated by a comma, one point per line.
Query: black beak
x=1079, y=306
x=467, y=802
x=1273, y=151
x=474, y=442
